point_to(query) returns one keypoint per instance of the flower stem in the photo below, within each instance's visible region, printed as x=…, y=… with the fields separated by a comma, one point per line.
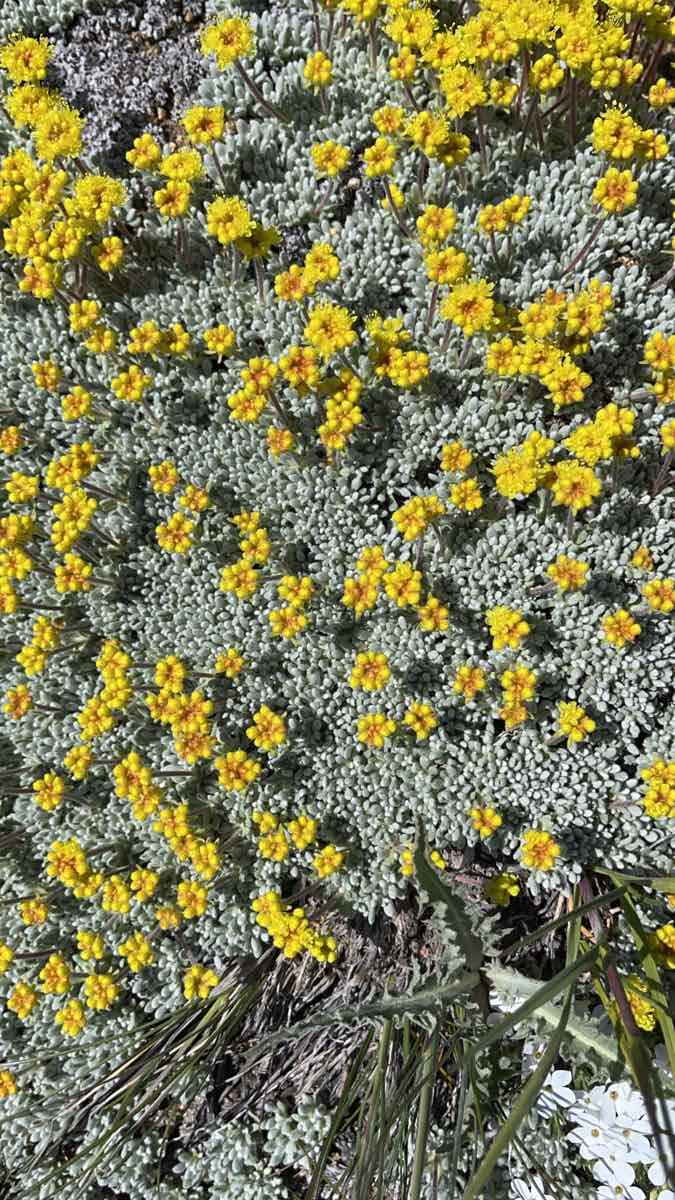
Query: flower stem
x=395, y=211
x=482, y=141
x=372, y=39
x=257, y=95
x=579, y=258
x=572, y=112
x=317, y=24
x=663, y=280
x=432, y=307
x=260, y=279
x=464, y=356
x=661, y=479
x=330, y=188
x=219, y=167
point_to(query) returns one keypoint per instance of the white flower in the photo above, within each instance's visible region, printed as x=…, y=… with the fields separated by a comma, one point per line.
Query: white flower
x=593, y=1105
x=532, y=1189
x=609, y=1125
x=615, y=1175
x=555, y=1093
x=608, y=1192
x=630, y=1107
x=532, y=1052
x=658, y=1171
x=613, y=1171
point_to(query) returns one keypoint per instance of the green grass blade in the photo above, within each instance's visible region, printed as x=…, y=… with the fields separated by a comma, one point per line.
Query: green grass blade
x=427, y=999
x=429, y=1069
x=660, y=883
x=653, y=975
x=543, y=994
x=522, y=1106
x=459, y=1126
x=347, y=1098
x=585, y=1032
x=560, y=922
x=371, y=1133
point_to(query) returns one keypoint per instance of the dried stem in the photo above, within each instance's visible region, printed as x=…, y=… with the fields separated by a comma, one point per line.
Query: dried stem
x=317, y=25
x=661, y=480
x=482, y=140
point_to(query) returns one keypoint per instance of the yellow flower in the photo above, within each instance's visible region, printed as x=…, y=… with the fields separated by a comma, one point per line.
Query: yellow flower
x=145, y=152
x=204, y=125
x=485, y=821
x=268, y=729
x=469, y=681
x=25, y=59
x=574, y=722
x=100, y=991
x=616, y=191
x=575, y=486
x=329, y=329
x=518, y=683
x=470, y=306
x=329, y=158
x=137, y=951
x=55, y=976
x=660, y=594
x=370, y=671
x=642, y=1008
x=433, y=616
x=466, y=495
x=70, y=1018
x=230, y=663
x=274, y=846
x=642, y=559
x=228, y=218
x=318, y=71
x=198, y=982
x=58, y=133
x=192, y=898
x=228, y=40
x=379, y=158
x=620, y=628
x=236, y=770
x=455, y=457
x=219, y=340
x=8, y=1085
x=303, y=831
x=507, y=626
x=374, y=729
x=501, y=889
x=539, y=850
x=328, y=861
x=421, y=719
x=661, y=943
x=568, y=573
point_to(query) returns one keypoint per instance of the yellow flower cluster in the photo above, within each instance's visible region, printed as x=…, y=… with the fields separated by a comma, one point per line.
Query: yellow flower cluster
x=416, y=515
x=290, y=929
x=660, y=356
x=343, y=369
x=659, y=797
